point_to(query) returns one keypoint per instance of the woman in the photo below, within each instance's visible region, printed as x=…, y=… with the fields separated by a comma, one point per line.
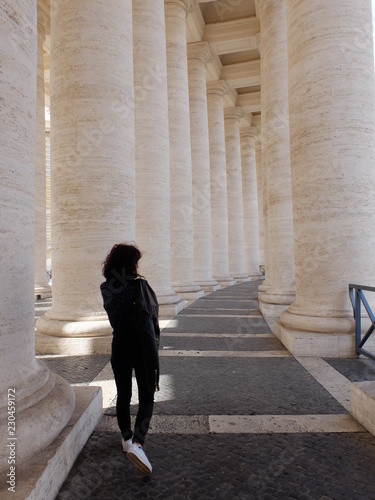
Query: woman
x=132, y=310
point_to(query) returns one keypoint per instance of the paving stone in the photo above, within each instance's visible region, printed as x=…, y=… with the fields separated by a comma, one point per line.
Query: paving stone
x=240, y=386
x=217, y=303
x=226, y=467
x=216, y=325
x=219, y=312
x=77, y=369
x=222, y=466
x=221, y=344
x=356, y=370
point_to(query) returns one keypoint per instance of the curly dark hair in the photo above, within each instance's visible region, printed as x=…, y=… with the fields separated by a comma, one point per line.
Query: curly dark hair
x=121, y=261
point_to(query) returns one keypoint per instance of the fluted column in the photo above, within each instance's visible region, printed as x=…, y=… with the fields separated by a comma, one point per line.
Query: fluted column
x=152, y=150
x=236, y=263
x=219, y=202
x=250, y=200
x=182, y=257
x=333, y=157
x=42, y=289
x=199, y=55
x=259, y=175
x=276, y=154
x=44, y=402
x=92, y=158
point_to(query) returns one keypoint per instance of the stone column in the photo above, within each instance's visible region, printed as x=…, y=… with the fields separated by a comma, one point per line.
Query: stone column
x=262, y=166
x=199, y=54
x=276, y=154
x=181, y=189
x=259, y=175
x=42, y=289
x=44, y=402
x=219, y=202
x=332, y=135
x=92, y=162
x=250, y=201
x=232, y=118
x=263, y=188
x=152, y=151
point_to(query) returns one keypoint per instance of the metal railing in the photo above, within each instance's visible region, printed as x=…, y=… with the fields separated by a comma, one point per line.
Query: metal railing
x=357, y=298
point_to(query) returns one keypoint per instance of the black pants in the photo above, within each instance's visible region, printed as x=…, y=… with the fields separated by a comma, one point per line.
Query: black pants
x=126, y=355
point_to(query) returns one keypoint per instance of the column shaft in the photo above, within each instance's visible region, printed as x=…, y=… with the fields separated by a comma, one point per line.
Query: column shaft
x=182, y=270
x=276, y=154
x=333, y=152
x=43, y=402
x=92, y=157
x=250, y=201
x=219, y=201
x=199, y=55
x=42, y=289
x=234, y=192
x=152, y=150
x=263, y=186
x=259, y=175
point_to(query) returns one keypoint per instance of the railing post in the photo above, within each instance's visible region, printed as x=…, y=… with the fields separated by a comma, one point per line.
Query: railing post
x=357, y=316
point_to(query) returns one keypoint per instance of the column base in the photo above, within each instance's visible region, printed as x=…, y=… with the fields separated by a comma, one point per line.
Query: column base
x=73, y=327
x=168, y=311
x=323, y=336
x=42, y=292
x=241, y=278
x=255, y=276
x=273, y=305
x=33, y=476
x=312, y=344
x=170, y=304
x=276, y=329
x=271, y=312
x=362, y=402
x=225, y=281
x=209, y=286
x=55, y=336
x=191, y=295
x=40, y=418
x=263, y=288
x=189, y=292
x=189, y=287
x=282, y=298
x=72, y=346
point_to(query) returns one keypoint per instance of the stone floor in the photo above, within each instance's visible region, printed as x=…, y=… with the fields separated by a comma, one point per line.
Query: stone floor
x=237, y=417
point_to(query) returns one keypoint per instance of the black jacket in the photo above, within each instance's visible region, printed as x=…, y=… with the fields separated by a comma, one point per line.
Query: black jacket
x=132, y=303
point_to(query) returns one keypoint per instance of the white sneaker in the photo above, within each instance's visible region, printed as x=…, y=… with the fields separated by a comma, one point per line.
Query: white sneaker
x=126, y=444
x=138, y=457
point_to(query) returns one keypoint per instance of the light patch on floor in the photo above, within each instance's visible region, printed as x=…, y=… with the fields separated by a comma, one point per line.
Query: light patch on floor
x=284, y=424
x=222, y=316
x=225, y=354
x=243, y=424
x=222, y=335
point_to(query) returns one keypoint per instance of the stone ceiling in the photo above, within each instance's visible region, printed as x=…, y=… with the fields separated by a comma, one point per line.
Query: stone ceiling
x=232, y=30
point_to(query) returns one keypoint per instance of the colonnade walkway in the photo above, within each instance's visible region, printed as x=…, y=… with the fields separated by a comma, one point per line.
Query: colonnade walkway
x=237, y=416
